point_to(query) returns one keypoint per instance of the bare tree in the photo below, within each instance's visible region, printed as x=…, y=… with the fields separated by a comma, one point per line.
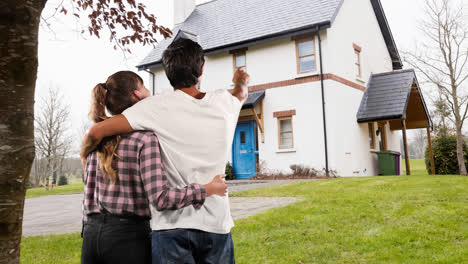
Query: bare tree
x=38, y=172
x=125, y=20
x=442, y=59
x=52, y=143
x=420, y=142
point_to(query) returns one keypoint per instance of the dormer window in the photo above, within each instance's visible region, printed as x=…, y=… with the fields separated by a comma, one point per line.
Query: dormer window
x=305, y=55
x=357, y=61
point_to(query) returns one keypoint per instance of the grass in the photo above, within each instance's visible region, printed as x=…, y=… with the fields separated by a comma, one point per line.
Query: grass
x=417, y=167
x=64, y=249
x=64, y=189
x=417, y=219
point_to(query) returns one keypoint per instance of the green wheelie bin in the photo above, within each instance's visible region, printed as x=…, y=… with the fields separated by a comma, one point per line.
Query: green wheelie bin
x=388, y=164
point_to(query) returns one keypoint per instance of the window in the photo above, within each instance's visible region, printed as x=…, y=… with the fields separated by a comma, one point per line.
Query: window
x=357, y=60
x=242, y=137
x=383, y=137
x=305, y=55
x=371, y=135
x=285, y=133
x=240, y=59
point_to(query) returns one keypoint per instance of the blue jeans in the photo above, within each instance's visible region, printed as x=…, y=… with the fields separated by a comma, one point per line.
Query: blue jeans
x=189, y=246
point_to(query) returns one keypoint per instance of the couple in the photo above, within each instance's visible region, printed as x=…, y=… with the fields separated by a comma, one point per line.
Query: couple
x=129, y=182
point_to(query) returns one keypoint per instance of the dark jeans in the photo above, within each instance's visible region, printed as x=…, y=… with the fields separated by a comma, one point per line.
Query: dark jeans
x=110, y=239
x=188, y=246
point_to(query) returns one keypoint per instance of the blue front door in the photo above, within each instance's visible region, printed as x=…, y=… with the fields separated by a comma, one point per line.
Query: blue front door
x=243, y=151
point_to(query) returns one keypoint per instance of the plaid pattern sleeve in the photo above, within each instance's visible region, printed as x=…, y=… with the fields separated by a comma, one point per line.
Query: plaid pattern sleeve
x=160, y=194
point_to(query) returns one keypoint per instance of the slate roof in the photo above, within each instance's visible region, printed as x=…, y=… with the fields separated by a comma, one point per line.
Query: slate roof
x=225, y=22
x=387, y=96
x=254, y=99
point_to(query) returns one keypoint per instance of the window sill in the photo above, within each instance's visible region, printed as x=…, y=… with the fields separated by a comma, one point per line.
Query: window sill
x=291, y=150
x=306, y=74
x=360, y=80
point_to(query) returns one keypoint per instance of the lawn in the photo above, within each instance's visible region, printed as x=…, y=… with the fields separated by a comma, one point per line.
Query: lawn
x=417, y=219
x=417, y=167
x=64, y=189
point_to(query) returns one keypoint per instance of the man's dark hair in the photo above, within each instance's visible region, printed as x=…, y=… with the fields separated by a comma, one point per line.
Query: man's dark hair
x=182, y=62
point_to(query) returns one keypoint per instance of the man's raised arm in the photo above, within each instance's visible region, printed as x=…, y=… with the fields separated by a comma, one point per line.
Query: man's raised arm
x=241, y=90
x=113, y=126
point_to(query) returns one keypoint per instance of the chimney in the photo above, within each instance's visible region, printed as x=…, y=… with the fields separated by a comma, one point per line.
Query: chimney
x=182, y=10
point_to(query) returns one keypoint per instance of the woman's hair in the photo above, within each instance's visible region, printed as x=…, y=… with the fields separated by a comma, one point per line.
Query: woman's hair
x=115, y=95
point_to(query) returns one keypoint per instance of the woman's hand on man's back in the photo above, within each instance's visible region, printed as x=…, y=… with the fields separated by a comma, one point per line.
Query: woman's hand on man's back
x=217, y=186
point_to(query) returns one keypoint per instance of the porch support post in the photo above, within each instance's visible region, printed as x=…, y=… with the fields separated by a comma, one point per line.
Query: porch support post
x=405, y=144
x=263, y=120
x=259, y=122
x=431, y=154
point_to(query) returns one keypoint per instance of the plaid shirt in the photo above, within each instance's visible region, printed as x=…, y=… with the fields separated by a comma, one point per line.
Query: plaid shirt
x=141, y=180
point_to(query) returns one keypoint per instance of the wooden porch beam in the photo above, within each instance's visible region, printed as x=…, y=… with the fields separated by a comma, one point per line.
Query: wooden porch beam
x=260, y=121
x=405, y=144
x=431, y=154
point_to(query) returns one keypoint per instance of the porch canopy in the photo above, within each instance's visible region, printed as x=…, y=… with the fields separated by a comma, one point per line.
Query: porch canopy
x=396, y=97
x=256, y=98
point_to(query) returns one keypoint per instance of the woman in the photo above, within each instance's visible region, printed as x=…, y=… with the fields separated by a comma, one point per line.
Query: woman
x=123, y=177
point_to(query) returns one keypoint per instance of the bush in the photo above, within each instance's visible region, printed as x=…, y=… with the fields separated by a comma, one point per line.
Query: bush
x=301, y=170
x=445, y=155
x=63, y=180
x=229, y=171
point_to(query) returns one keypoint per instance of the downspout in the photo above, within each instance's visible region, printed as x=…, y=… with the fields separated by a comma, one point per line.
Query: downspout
x=323, y=104
x=153, y=78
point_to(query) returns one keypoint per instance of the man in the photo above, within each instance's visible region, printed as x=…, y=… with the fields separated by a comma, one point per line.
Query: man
x=195, y=131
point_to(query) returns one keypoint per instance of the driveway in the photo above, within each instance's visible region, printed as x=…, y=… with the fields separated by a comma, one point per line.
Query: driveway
x=59, y=214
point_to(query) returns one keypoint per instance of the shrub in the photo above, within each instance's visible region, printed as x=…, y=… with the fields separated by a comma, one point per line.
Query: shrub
x=445, y=155
x=63, y=180
x=229, y=171
x=301, y=170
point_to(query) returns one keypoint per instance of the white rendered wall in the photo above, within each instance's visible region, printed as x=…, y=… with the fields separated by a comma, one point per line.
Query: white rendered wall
x=269, y=62
x=307, y=127
x=348, y=141
x=356, y=23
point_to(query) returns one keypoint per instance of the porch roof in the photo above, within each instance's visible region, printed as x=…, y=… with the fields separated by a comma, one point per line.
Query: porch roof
x=254, y=99
x=394, y=96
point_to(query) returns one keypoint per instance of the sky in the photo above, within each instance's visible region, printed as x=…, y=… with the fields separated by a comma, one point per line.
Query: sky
x=75, y=63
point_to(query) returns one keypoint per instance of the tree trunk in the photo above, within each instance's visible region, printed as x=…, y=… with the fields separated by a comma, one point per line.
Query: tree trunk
x=19, y=25
x=460, y=154
x=458, y=125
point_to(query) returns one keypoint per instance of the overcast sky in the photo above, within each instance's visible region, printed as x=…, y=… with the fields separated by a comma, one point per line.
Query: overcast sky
x=75, y=63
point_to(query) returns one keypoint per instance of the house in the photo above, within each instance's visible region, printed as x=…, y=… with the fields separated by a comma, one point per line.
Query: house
x=326, y=91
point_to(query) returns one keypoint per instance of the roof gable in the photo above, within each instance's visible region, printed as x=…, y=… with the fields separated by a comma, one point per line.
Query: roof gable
x=387, y=34
x=387, y=96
